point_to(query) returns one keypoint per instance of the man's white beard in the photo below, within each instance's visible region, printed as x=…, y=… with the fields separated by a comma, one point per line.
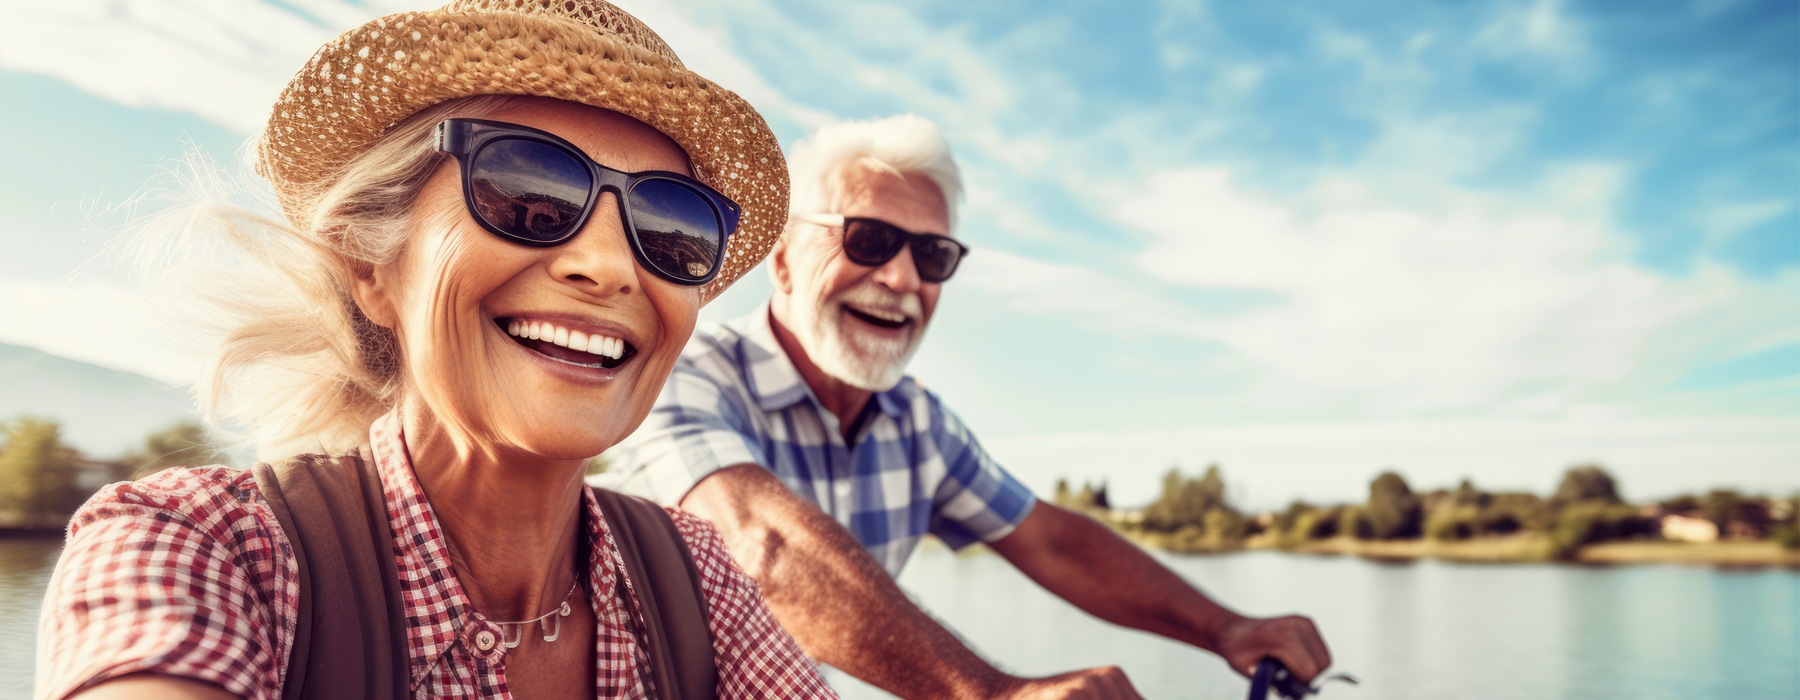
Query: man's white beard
x=864, y=362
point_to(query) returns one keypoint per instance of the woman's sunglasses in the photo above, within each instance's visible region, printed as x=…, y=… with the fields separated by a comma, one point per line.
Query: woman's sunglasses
x=873, y=242
x=534, y=188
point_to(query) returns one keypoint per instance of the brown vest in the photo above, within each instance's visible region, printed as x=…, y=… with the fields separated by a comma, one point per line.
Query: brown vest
x=350, y=636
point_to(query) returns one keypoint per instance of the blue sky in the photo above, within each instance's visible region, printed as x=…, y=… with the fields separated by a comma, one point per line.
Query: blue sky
x=1307, y=240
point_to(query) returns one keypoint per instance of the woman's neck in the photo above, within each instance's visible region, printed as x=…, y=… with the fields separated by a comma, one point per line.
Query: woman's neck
x=512, y=520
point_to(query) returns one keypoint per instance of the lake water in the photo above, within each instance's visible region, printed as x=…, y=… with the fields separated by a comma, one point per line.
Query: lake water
x=1409, y=630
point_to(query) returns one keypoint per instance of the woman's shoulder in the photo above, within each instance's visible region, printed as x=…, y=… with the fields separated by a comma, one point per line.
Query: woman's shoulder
x=215, y=500
x=185, y=572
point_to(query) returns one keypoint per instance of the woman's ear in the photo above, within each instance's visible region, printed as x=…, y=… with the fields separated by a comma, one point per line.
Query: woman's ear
x=371, y=287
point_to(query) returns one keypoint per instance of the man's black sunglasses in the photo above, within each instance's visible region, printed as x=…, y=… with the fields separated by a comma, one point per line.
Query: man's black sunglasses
x=873, y=242
x=531, y=187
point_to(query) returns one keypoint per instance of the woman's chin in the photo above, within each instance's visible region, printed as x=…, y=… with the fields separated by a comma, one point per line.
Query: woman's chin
x=565, y=450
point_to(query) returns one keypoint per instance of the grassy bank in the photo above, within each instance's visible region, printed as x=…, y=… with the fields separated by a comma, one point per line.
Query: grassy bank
x=1752, y=553
x=1512, y=549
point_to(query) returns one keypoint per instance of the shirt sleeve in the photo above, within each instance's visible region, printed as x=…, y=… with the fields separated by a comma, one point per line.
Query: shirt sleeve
x=696, y=428
x=977, y=501
x=756, y=656
x=147, y=583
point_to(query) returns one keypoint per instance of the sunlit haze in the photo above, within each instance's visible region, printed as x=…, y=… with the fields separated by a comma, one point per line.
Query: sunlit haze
x=1307, y=241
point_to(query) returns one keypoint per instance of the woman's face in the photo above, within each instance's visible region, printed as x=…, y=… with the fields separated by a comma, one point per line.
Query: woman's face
x=456, y=290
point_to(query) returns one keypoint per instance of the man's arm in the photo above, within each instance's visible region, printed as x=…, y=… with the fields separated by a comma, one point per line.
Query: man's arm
x=845, y=610
x=1089, y=565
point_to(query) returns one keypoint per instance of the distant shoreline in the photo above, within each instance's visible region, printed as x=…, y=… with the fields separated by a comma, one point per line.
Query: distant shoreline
x=1520, y=549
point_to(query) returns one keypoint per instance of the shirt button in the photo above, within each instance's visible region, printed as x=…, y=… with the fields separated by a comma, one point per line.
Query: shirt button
x=484, y=640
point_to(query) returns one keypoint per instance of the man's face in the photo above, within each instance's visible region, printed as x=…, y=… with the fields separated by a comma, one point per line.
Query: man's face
x=861, y=324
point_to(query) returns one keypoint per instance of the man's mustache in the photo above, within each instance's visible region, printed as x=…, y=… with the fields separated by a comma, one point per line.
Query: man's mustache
x=875, y=296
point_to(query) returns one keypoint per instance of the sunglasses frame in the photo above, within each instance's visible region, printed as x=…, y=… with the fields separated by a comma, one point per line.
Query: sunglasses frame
x=464, y=138
x=910, y=237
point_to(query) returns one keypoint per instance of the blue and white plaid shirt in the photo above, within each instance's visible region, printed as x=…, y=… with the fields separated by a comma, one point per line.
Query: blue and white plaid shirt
x=736, y=398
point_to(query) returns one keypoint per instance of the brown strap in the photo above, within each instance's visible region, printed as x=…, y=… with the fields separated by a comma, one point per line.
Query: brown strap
x=349, y=635
x=667, y=584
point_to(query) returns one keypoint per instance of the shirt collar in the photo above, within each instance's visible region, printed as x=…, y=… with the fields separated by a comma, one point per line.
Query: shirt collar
x=775, y=382
x=437, y=609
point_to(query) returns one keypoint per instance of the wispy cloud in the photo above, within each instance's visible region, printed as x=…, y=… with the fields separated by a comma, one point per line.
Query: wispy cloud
x=1437, y=213
x=1448, y=301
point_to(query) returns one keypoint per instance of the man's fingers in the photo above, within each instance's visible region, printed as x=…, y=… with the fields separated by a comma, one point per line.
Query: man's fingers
x=1300, y=648
x=1315, y=643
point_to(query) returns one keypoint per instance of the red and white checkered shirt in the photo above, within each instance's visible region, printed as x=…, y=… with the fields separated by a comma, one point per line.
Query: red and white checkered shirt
x=187, y=573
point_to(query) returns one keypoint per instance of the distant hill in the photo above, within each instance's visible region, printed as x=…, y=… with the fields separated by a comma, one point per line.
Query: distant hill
x=104, y=412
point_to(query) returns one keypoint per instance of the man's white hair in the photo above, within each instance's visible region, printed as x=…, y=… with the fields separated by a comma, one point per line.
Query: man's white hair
x=904, y=144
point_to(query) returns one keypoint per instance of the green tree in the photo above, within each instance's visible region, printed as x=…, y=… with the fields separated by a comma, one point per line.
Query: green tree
x=1353, y=522
x=1185, y=501
x=1467, y=495
x=37, y=471
x=1588, y=482
x=1393, y=511
x=1453, y=522
x=184, y=444
x=1725, y=506
x=1286, y=522
x=1585, y=522
x=1686, y=503
x=1510, y=512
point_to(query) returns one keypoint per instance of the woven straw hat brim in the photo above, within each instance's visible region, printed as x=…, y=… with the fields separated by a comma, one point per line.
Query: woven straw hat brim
x=373, y=77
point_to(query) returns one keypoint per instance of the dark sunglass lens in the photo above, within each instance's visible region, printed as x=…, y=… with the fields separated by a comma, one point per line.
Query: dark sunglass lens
x=936, y=258
x=871, y=242
x=532, y=191
x=677, y=228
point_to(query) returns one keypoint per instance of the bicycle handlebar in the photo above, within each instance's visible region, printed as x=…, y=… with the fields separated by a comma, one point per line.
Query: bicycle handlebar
x=1271, y=674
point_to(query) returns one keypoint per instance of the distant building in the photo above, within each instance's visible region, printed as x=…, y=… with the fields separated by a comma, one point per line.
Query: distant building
x=1683, y=528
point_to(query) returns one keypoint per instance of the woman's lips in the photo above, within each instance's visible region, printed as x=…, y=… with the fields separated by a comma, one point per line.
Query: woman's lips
x=567, y=345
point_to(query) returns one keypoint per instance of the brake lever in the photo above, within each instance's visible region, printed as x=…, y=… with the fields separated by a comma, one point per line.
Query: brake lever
x=1270, y=673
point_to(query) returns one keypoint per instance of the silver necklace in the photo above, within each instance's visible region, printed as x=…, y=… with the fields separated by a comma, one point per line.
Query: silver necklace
x=549, y=623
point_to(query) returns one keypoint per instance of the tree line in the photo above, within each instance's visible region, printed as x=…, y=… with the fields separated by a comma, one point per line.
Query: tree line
x=1194, y=514
x=43, y=479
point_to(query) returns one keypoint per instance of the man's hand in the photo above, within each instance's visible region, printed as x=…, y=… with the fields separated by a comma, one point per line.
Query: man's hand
x=1095, y=683
x=1292, y=640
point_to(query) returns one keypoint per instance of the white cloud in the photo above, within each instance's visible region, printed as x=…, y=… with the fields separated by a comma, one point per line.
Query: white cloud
x=1400, y=290
x=1722, y=221
x=227, y=60
x=104, y=322
x=1081, y=294
x=1446, y=299
x=224, y=61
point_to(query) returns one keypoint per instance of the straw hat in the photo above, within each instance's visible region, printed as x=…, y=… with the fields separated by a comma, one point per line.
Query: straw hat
x=587, y=51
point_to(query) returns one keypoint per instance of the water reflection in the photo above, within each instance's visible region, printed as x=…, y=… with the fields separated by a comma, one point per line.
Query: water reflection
x=1416, y=630
x=25, y=566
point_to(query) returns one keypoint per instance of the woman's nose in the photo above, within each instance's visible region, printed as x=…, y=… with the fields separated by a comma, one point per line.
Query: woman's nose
x=598, y=259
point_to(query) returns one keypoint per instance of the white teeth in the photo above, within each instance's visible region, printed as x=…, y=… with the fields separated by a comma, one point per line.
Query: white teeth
x=889, y=316
x=595, y=344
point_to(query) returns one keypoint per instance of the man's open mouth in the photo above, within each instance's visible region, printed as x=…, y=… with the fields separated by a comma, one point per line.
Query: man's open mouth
x=567, y=345
x=879, y=318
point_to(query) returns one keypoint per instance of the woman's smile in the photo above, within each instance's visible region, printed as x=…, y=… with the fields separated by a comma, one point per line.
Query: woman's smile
x=579, y=349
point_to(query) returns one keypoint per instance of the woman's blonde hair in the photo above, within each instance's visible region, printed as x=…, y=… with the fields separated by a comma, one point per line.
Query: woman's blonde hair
x=295, y=366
